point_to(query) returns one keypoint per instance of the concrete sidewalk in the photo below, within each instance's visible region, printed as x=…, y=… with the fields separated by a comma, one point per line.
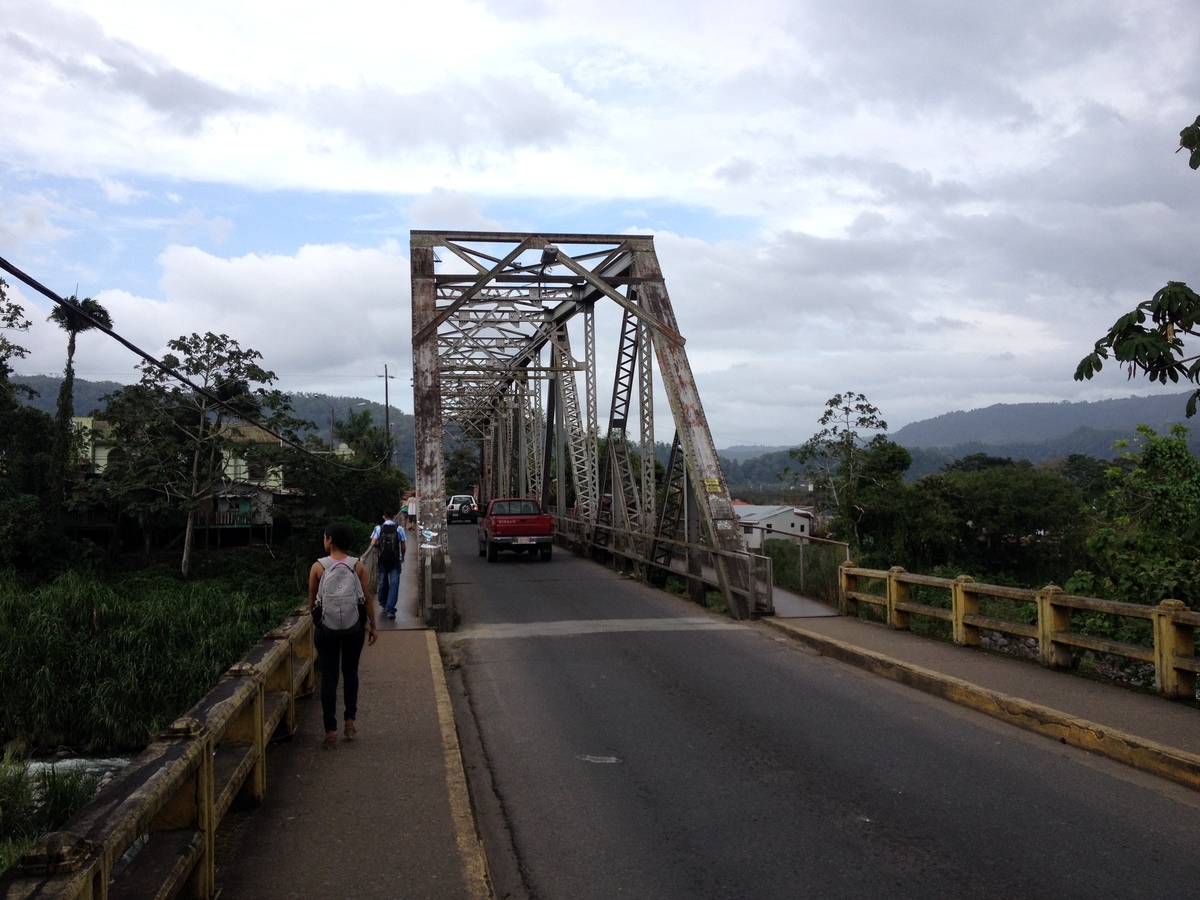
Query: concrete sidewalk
x=384, y=816
x=1125, y=724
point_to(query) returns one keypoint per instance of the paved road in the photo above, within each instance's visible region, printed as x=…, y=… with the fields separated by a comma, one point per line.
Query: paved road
x=631, y=745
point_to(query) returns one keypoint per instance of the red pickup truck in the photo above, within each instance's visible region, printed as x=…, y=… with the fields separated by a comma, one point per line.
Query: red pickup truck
x=517, y=524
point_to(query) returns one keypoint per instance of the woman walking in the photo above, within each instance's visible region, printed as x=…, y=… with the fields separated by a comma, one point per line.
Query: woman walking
x=342, y=607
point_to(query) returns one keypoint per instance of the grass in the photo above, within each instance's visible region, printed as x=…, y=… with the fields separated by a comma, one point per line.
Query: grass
x=32, y=805
x=98, y=664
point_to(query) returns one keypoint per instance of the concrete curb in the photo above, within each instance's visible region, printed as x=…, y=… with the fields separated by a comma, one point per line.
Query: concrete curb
x=1176, y=765
x=470, y=847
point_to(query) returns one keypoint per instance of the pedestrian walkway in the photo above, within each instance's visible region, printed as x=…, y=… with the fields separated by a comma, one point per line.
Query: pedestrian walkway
x=384, y=816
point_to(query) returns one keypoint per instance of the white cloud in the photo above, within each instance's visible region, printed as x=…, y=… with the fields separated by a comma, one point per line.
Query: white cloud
x=31, y=221
x=939, y=204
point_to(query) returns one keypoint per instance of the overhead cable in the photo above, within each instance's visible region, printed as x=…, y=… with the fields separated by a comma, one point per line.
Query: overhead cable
x=159, y=364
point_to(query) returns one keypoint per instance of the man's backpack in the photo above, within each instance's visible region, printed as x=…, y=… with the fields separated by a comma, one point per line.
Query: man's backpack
x=389, y=545
x=340, y=597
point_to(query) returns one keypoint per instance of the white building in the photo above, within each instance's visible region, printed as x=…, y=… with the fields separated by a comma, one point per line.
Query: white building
x=759, y=523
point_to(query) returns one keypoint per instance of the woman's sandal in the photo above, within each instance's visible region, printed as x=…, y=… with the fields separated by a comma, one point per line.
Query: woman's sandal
x=351, y=731
x=330, y=742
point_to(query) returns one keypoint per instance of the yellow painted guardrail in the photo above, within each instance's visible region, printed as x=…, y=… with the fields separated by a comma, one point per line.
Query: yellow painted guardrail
x=1173, y=653
x=150, y=832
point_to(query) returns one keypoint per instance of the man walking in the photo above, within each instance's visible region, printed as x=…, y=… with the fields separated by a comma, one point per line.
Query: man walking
x=390, y=541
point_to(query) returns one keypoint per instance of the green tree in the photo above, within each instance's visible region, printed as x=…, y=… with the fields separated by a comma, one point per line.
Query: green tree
x=1021, y=522
x=834, y=457
x=368, y=440
x=995, y=518
x=1157, y=349
x=1147, y=547
x=882, y=505
x=1087, y=473
x=12, y=318
x=148, y=467
x=27, y=539
x=335, y=489
x=176, y=441
x=77, y=316
x=462, y=468
x=73, y=317
x=976, y=462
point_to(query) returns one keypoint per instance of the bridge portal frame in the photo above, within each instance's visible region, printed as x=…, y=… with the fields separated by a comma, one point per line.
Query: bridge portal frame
x=496, y=334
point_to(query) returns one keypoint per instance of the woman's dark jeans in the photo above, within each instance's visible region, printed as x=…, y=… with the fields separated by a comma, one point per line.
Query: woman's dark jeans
x=339, y=653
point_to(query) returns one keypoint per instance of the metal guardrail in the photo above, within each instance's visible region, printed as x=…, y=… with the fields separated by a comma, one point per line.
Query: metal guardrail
x=150, y=832
x=1173, y=625
x=633, y=549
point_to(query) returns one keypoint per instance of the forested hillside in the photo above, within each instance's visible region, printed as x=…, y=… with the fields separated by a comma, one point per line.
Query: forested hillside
x=87, y=396
x=1022, y=424
x=315, y=408
x=1032, y=431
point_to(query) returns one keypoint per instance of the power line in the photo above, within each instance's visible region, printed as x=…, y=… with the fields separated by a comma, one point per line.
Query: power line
x=159, y=364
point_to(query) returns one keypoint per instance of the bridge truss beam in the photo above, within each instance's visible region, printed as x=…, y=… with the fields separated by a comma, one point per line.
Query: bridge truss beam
x=498, y=323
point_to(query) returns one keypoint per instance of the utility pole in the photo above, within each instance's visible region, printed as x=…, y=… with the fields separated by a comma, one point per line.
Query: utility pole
x=387, y=417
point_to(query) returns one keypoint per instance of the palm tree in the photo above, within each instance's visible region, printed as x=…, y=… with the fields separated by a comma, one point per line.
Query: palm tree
x=75, y=316
x=72, y=317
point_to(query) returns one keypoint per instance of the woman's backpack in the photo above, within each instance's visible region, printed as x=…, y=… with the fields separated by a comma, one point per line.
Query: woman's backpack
x=340, y=597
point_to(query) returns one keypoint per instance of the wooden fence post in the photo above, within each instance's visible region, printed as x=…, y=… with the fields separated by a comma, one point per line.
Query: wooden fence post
x=1172, y=639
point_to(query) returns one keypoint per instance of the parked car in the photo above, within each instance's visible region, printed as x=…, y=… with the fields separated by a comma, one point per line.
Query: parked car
x=517, y=524
x=463, y=508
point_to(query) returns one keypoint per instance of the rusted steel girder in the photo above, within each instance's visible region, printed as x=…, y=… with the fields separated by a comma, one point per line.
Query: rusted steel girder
x=714, y=504
x=427, y=413
x=493, y=329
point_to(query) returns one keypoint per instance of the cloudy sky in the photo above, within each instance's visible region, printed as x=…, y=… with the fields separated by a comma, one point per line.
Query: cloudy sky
x=936, y=203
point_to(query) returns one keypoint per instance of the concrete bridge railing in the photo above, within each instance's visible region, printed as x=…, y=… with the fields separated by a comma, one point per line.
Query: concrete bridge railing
x=151, y=831
x=1172, y=653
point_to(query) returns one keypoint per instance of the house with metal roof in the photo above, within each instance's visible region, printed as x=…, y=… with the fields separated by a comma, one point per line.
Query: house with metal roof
x=761, y=523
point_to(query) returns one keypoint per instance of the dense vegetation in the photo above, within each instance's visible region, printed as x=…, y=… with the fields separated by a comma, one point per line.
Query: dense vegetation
x=99, y=662
x=110, y=631
x=34, y=804
x=1124, y=529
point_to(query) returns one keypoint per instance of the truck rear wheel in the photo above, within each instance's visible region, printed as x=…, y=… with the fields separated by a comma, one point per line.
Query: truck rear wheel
x=491, y=552
x=546, y=551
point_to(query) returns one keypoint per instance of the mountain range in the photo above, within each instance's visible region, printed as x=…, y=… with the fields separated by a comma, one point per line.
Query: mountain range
x=1034, y=423
x=1032, y=431
x=316, y=408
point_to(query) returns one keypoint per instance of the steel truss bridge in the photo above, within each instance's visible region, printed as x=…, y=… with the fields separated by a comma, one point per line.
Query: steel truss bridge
x=513, y=339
